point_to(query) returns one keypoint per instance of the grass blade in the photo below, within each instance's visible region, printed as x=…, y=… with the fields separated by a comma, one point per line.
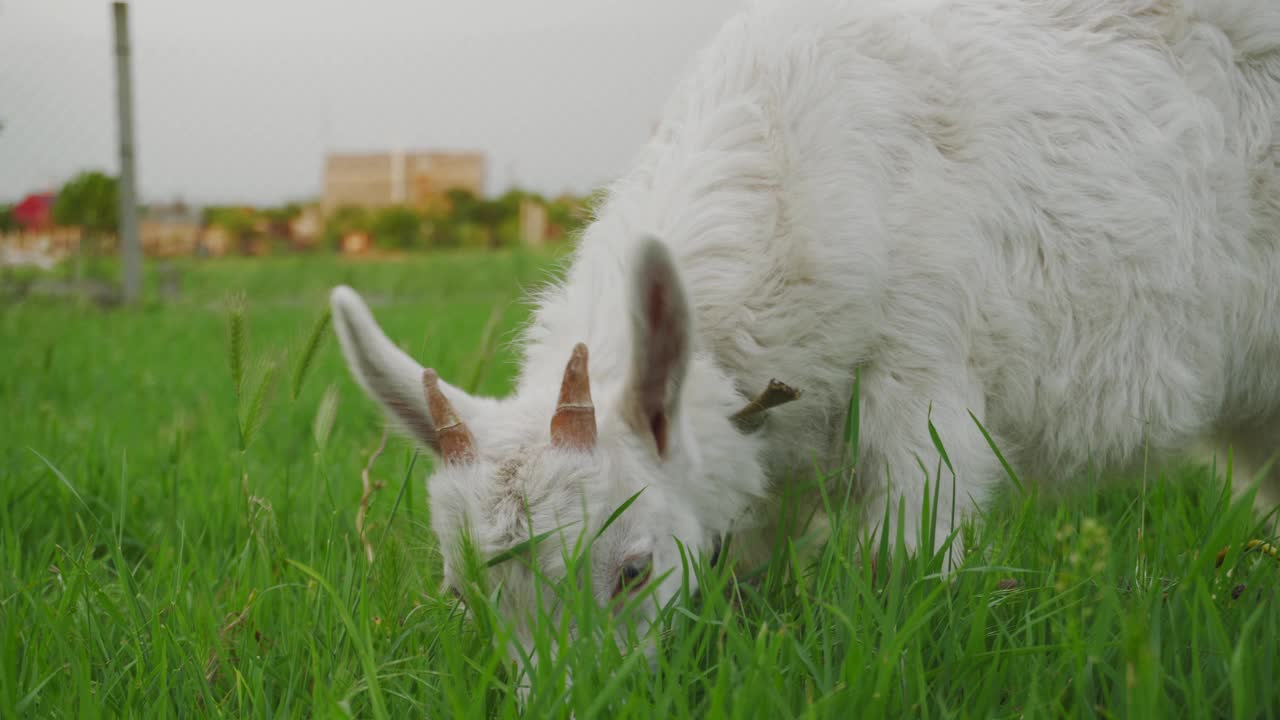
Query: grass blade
x=524, y=546
x=258, y=405
x=618, y=513
x=362, y=645
x=236, y=346
x=314, y=341
x=999, y=456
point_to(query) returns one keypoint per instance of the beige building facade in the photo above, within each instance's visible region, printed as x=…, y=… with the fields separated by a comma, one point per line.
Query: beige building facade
x=417, y=179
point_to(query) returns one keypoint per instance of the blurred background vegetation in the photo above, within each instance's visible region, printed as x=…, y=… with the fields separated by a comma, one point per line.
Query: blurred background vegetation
x=80, y=220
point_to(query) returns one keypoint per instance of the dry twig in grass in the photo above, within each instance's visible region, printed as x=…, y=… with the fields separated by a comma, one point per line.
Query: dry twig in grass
x=211, y=667
x=368, y=489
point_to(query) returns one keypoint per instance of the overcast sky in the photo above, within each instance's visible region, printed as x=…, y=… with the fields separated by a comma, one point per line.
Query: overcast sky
x=238, y=100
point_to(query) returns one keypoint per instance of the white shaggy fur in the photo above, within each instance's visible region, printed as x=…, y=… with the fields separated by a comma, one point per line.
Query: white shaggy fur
x=1061, y=216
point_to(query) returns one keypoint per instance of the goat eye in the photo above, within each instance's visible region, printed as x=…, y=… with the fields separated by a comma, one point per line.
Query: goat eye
x=634, y=573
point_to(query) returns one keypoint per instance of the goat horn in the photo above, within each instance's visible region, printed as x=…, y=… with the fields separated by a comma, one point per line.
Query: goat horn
x=574, y=423
x=455, y=442
x=751, y=416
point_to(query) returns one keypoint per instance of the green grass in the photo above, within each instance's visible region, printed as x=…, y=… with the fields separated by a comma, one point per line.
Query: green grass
x=179, y=537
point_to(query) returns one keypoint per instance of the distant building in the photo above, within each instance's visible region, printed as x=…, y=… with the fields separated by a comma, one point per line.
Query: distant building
x=34, y=213
x=305, y=229
x=167, y=230
x=355, y=242
x=213, y=241
x=417, y=179
x=533, y=223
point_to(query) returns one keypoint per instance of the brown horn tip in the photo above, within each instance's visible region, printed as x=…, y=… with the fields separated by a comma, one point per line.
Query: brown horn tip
x=574, y=423
x=455, y=442
x=751, y=416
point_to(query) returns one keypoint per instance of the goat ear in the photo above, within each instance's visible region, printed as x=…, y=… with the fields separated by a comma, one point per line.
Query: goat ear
x=399, y=384
x=661, y=337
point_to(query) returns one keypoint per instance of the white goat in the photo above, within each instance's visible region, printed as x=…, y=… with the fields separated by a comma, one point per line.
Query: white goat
x=1061, y=216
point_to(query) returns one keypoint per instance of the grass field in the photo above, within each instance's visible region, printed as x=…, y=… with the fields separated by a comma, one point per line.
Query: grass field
x=173, y=547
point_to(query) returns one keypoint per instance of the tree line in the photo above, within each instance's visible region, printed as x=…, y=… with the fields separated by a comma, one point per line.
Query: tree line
x=461, y=219
x=89, y=201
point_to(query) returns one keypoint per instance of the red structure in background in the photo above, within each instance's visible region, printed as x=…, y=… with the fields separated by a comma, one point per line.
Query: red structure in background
x=35, y=212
